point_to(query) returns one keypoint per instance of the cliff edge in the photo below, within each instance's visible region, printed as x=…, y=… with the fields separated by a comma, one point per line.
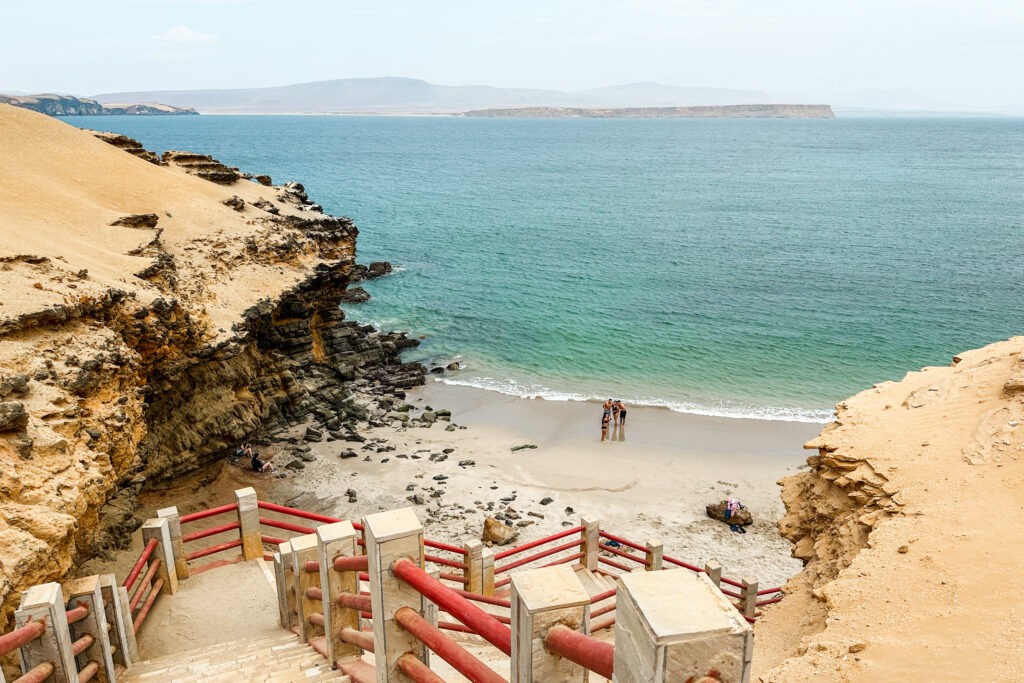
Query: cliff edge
x=154, y=313
x=906, y=522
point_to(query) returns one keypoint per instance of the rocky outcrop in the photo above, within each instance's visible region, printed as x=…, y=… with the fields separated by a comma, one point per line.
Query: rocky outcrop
x=230, y=327
x=130, y=145
x=727, y=111
x=69, y=105
x=202, y=165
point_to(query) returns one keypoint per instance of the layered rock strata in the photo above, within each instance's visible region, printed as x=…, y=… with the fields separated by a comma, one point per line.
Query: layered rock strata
x=900, y=521
x=146, y=327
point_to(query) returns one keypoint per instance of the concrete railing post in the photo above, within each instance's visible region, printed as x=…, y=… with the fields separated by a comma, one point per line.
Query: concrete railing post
x=655, y=551
x=283, y=615
x=474, y=565
x=748, y=597
x=591, y=542
x=46, y=601
x=177, y=546
x=541, y=599
x=304, y=549
x=126, y=617
x=249, y=523
x=487, y=571
x=122, y=635
x=160, y=530
x=674, y=626
x=392, y=536
x=338, y=540
x=287, y=582
x=714, y=571
x=86, y=591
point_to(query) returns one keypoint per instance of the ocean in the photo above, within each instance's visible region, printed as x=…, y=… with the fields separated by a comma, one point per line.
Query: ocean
x=748, y=268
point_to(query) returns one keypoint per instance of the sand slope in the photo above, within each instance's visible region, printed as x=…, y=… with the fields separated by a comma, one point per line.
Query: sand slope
x=908, y=520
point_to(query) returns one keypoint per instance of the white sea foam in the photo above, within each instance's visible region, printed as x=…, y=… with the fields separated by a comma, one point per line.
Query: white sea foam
x=512, y=387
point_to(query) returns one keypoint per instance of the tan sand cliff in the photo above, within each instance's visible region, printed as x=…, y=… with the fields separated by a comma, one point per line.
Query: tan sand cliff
x=151, y=316
x=907, y=522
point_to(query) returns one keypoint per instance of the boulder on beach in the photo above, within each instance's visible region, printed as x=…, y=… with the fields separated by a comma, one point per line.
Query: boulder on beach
x=717, y=511
x=497, y=533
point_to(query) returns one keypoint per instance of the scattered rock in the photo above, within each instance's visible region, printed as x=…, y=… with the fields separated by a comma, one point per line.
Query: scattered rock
x=313, y=434
x=355, y=295
x=446, y=451
x=440, y=477
x=450, y=428
x=857, y=647
x=903, y=549
x=717, y=511
x=266, y=206
x=525, y=523
x=295, y=465
x=569, y=511
x=497, y=533
x=15, y=385
x=139, y=221
x=546, y=500
x=453, y=366
x=345, y=455
x=13, y=417
x=535, y=514
x=235, y=202
x=352, y=498
x=417, y=499
x=467, y=463
x=522, y=446
x=428, y=416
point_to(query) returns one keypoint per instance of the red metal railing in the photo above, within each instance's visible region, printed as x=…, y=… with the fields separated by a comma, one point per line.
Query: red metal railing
x=144, y=612
x=445, y=648
x=537, y=556
x=482, y=623
x=590, y=653
x=203, y=514
x=539, y=542
x=37, y=674
x=146, y=581
x=210, y=550
x=212, y=531
x=139, y=564
x=417, y=670
x=21, y=636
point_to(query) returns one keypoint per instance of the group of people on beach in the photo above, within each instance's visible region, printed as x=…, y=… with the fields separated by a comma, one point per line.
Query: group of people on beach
x=615, y=414
x=257, y=463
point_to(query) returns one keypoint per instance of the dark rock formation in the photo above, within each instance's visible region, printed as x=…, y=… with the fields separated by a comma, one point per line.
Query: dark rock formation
x=139, y=221
x=12, y=416
x=374, y=270
x=202, y=165
x=129, y=145
x=717, y=511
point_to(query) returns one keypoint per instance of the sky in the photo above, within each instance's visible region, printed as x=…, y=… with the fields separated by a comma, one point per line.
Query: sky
x=942, y=51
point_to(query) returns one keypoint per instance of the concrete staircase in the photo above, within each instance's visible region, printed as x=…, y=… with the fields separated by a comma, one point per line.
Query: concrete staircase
x=279, y=659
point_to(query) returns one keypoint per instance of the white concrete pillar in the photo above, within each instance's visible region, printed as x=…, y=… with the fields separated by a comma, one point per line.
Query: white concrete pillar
x=304, y=549
x=288, y=585
x=46, y=601
x=591, y=542
x=249, y=523
x=121, y=632
x=160, y=530
x=338, y=540
x=126, y=617
x=487, y=571
x=748, y=596
x=86, y=591
x=392, y=536
x=177, y=546
x=655, y=551
x=671, y=626
x=474, y=565
x=714, y=571
x=542, y=598
x=282, y=593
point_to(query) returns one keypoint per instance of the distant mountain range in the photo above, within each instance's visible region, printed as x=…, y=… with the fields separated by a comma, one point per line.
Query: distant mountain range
x=69, y=105
x=408, y=95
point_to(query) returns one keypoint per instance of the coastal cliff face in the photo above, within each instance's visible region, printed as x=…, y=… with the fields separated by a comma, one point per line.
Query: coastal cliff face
x=729, y=111
x=69, y=105
x=151, y=319
x=902, y=521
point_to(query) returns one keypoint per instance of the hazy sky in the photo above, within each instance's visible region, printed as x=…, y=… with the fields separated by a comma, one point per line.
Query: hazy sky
x=951, y=50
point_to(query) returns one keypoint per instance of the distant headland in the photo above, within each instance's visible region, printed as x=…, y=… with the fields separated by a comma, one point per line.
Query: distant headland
x=69, y=105
x=729, y=111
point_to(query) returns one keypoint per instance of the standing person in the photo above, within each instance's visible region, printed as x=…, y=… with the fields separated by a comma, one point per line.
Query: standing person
x=605, y=419
x=616, y=406
x=621, y=410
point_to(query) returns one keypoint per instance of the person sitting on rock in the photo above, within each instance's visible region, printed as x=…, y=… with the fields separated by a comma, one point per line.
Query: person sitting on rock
x=259, y=465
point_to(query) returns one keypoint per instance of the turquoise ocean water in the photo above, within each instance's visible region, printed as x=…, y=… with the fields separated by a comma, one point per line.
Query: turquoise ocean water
x=764, y=268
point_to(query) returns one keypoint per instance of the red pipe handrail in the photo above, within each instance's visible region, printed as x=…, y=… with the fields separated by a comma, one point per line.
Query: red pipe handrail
x=540, y=541
x=614, y=563
x=444, y=546
x=212, y=531
x=353, y=601
x=203, y=514
x=603, y=610
x=680, y=563
x=482, y=623
x=487, y=599
x=140, y=563
x=21, y=636
x=296, y=512
x=359, y=638
x=287, y=526
x=624, y=541
x=453, y=577
x=607, y=622
x=771, y=601
x=88, y=671
x=445, y=648
x=766, y=591
x=590, y=653
x=623, y=553
x=37, y=674
x=77, y=614
x=137, y=624
x=314, y=593
x=537, y=556
x=148, y=578
x=445, y=561
x=213, y=549
x=82, y=644
x=353, y=563
x=603, y=596
x=271, y=540
x=417, y=670
x=565, y=560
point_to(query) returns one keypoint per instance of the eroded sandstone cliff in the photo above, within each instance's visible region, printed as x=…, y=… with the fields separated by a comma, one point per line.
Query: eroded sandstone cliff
x=150, y=320
x=902, y=521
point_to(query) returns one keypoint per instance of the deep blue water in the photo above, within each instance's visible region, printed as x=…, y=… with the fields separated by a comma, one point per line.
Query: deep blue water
x=741, y=267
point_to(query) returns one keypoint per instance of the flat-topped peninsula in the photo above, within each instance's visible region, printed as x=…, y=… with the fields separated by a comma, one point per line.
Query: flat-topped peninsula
x=729, y=111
